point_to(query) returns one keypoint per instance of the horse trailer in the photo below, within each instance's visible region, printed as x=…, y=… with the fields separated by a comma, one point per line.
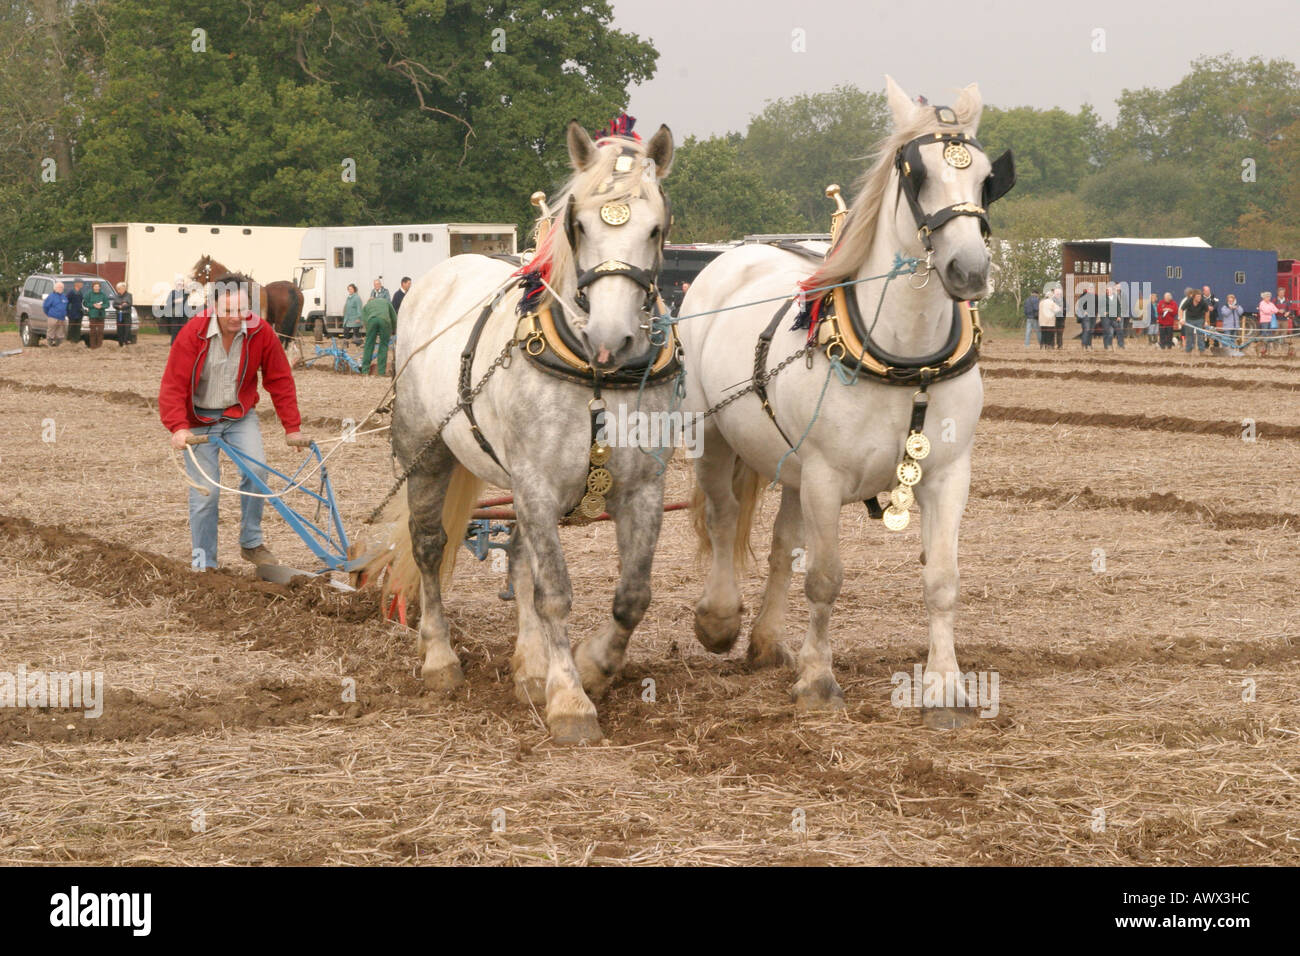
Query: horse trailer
x=334, y=256
x=156, y=256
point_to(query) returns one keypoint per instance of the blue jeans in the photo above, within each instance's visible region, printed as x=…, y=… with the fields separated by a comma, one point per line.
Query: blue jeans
x=1085, y=333
x=1031, y=330
x=1190, y=338
x=1112, y=329
x=245, y=435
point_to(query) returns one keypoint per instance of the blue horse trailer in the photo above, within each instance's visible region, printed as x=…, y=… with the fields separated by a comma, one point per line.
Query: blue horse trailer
x=1154, y=268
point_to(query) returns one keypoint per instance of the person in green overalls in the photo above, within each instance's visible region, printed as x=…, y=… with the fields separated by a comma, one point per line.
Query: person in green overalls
x=96, y=303
x=352, y=315
x=378, y=317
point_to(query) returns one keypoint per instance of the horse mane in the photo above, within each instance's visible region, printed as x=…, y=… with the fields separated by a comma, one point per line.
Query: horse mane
x=595, y=185
x=854, y=245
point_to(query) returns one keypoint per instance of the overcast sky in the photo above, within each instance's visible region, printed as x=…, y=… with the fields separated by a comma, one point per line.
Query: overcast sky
x=721, y=60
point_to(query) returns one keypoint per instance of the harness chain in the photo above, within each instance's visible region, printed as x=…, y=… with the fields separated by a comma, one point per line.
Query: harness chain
x=501, y=361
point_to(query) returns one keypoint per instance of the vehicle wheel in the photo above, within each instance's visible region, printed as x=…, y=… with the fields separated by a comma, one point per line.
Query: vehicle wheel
x=25, y=335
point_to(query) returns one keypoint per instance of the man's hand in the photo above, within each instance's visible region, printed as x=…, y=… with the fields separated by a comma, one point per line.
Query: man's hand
x=180, y=438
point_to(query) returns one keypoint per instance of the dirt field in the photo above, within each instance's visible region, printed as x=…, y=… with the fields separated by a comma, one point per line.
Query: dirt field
x=225, y=737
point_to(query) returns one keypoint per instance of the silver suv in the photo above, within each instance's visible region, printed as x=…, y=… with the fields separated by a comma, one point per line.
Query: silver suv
x=31, y=315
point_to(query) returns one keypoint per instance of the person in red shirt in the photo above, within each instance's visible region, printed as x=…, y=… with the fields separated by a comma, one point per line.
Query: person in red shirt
x=1167, y=319
x=209, y=387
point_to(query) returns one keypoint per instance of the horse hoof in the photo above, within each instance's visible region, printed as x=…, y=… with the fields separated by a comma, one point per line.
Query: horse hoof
x=596, y=680
x=531, y=690
x=443, y=680
x=571, y=731
x=716, y=632
x=818, y=695
x=774, y=654
x=948, y=718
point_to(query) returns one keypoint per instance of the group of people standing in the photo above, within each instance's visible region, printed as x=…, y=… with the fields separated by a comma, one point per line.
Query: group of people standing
x=1161, y=317
x=377, y=318
x=66, y=310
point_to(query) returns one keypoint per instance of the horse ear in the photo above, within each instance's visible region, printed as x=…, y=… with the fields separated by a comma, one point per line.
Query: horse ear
x=660, y=150
x=970, y=107
x=582, y=149
x=900, y=104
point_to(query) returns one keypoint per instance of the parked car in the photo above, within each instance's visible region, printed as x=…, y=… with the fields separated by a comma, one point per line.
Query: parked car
x=31, y=314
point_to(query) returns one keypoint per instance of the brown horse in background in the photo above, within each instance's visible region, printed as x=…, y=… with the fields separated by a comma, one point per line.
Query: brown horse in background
x=279, y=303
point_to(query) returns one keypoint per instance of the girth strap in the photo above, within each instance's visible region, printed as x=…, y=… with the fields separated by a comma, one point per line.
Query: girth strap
x=761, y=350
x=466, y=374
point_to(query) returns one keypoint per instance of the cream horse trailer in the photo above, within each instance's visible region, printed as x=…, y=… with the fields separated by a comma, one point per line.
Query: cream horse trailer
x=158, y=255
x=334, y=256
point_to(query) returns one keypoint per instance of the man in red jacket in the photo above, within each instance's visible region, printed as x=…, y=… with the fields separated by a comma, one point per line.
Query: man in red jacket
x=210, y=388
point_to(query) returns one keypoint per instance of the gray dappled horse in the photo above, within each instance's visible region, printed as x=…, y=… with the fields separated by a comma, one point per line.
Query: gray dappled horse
x=584, y=332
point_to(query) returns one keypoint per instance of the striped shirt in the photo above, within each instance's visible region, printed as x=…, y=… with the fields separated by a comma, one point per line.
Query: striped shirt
x=218, y=384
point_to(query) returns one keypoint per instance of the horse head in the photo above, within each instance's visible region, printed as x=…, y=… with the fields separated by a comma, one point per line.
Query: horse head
x=607, y=254
x=945, y=184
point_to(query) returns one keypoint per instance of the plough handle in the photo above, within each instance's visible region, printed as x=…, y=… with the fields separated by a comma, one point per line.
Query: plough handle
x=303, y=442
x=197, y=440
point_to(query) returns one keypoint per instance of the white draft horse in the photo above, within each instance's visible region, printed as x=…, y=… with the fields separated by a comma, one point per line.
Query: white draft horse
x=924, y=197
x=532, y=431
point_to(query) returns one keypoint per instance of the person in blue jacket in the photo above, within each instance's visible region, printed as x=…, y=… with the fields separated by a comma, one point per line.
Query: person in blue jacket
x=55, y=307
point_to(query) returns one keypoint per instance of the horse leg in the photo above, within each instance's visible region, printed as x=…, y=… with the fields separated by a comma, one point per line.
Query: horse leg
x=570, y=714
x=638, y=513
x=529, y=661
x=426, y=492
x=717, y=613
x=766, y=641
x=942, y=500
x=816, y=688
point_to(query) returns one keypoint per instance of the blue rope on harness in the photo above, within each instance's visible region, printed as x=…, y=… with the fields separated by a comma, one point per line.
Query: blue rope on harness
x=901, y=265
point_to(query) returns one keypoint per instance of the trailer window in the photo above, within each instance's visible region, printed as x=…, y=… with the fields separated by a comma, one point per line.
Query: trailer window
x=112, y=240
x=1240, y=277
x=1173, y=272
x=343, y=257
x=397, y=242
x=414, y=237
x=428, y=237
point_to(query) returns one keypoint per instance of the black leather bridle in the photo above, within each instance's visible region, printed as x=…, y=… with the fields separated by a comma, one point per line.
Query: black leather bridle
x=645, y=278
x=912, y=176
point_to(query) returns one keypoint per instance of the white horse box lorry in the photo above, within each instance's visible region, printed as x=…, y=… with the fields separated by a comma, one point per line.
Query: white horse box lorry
x=334, y=256
x=321, y=259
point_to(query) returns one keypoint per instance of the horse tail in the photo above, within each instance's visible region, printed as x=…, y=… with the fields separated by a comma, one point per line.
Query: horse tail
x=746, y=486
x=399, y=557
x=295, y=312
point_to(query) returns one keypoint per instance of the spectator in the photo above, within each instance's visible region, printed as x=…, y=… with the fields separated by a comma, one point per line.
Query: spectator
x=96, y=303
x=173, y=312
x=1049, y=320
x=1267, y=320
x=378, y=316
x=1031, y=318
x=1167, y=319
x=1153, y=319
x=398, y=299
x=76, y=310
x=55, y=308
x=1112, y=318
x=352, y=315
x=1084, y=310
x=125, y=314
x=379, y=292
x=1230, y=320
x=1194, y=316
x=401, y=294
x=210, y=388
